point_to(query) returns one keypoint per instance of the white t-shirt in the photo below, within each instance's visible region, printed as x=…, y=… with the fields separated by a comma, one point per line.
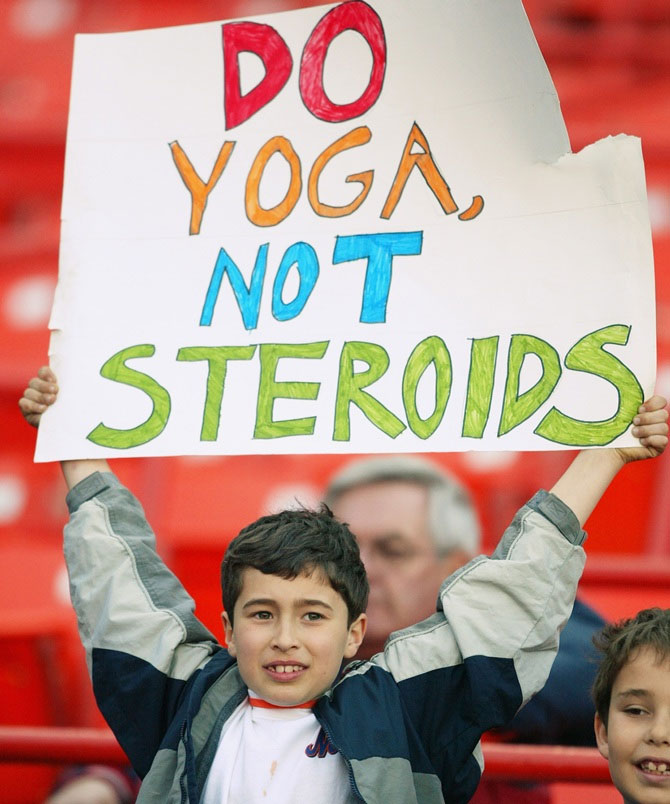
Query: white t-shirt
x=275, y=755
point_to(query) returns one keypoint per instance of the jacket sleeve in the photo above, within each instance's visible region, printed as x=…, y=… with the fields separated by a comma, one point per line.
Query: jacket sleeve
x=492, y=641
x=562, y=711
x=136, y=622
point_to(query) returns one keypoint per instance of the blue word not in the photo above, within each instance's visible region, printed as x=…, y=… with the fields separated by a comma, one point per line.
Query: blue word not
x=378, y=249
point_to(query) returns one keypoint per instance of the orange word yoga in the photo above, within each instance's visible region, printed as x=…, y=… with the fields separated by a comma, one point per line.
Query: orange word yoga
x=416, y=154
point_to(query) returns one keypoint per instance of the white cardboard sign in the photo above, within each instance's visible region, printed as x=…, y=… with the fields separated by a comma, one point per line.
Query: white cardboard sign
x=355, y=227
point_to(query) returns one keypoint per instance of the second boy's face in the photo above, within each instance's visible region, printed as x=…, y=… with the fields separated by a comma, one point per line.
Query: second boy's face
x=290, y=636
x=636, y=741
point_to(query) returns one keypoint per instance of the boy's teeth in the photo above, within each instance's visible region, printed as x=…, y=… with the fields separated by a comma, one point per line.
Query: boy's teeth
x=286, y=668
x=652, y=767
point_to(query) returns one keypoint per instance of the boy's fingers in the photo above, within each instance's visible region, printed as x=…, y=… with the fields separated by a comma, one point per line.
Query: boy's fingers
x=655, y=402
x=40, y=393
x=39, y=384
x=647, y=430
x=657, y=439
x=32, y=409
x=31, y=398
x=656, y=442
x=651, y=417
x=42, y=386
x=45, y=373
x=39, y=396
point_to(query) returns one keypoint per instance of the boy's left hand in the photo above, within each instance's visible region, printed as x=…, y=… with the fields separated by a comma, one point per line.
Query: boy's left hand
x=651, y=428
x=586, y=479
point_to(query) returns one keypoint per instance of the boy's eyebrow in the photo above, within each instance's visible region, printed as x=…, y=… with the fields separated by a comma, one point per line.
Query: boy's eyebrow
x=308, y=601
x=259, y=601
x=637, y=693
x=268, y=601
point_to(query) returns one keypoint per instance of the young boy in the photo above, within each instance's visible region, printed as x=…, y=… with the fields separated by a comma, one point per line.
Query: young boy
x=632, y=697
x=267, y=720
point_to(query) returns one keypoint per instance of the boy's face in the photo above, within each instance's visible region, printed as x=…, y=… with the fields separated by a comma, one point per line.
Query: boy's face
x=290, y=636
x=636, y=741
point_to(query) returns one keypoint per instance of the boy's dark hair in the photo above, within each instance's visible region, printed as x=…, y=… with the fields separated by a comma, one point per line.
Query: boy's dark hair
x=619, y=642
x=294, y=542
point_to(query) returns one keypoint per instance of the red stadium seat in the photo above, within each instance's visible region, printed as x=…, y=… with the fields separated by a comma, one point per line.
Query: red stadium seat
x=43, y=679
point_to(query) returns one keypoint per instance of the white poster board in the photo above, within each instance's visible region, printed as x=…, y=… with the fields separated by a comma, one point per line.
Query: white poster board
x=348, y=228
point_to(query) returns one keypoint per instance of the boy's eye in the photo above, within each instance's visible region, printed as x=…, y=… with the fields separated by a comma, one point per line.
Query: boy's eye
x=635, y=710
x=313, y=616
x=261, y=615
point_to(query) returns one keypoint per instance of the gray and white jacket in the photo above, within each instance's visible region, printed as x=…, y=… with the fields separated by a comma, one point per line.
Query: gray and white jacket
x=407, y=722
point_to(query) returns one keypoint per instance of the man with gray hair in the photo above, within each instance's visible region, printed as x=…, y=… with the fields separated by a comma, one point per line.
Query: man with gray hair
x=415, y=525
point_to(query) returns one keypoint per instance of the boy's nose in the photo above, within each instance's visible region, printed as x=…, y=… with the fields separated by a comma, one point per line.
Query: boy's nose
x=284, y=636
x=659, y=729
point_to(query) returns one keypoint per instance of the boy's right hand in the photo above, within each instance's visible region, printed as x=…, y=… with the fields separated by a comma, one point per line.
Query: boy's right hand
x=40, y=393
x=38, y=396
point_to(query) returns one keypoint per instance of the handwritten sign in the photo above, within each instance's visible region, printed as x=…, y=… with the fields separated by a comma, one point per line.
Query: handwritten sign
x=356, y=227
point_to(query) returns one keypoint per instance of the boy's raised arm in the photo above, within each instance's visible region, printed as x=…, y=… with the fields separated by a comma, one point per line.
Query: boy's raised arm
x=41, y=392
x=498, y=618
x=142, y=640
x=588, y=476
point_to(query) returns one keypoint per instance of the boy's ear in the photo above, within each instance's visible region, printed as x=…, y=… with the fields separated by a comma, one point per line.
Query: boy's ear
x=228, y=630
x=601, y=736
x=356, y=634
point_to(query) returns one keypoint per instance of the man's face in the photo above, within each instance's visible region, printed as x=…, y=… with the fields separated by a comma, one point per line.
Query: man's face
x=290, y=636
x=390, y=522
x=636, y=741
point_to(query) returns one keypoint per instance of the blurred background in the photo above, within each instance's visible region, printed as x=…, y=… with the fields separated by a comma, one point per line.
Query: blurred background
x=610, y=61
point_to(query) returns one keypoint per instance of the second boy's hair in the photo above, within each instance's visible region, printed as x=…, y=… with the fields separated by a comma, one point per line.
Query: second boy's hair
x=291, y=543
x=619, y=642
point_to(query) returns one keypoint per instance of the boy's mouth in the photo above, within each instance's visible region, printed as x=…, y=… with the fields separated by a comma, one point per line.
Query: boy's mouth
x=656, y=768
x=285, y=671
